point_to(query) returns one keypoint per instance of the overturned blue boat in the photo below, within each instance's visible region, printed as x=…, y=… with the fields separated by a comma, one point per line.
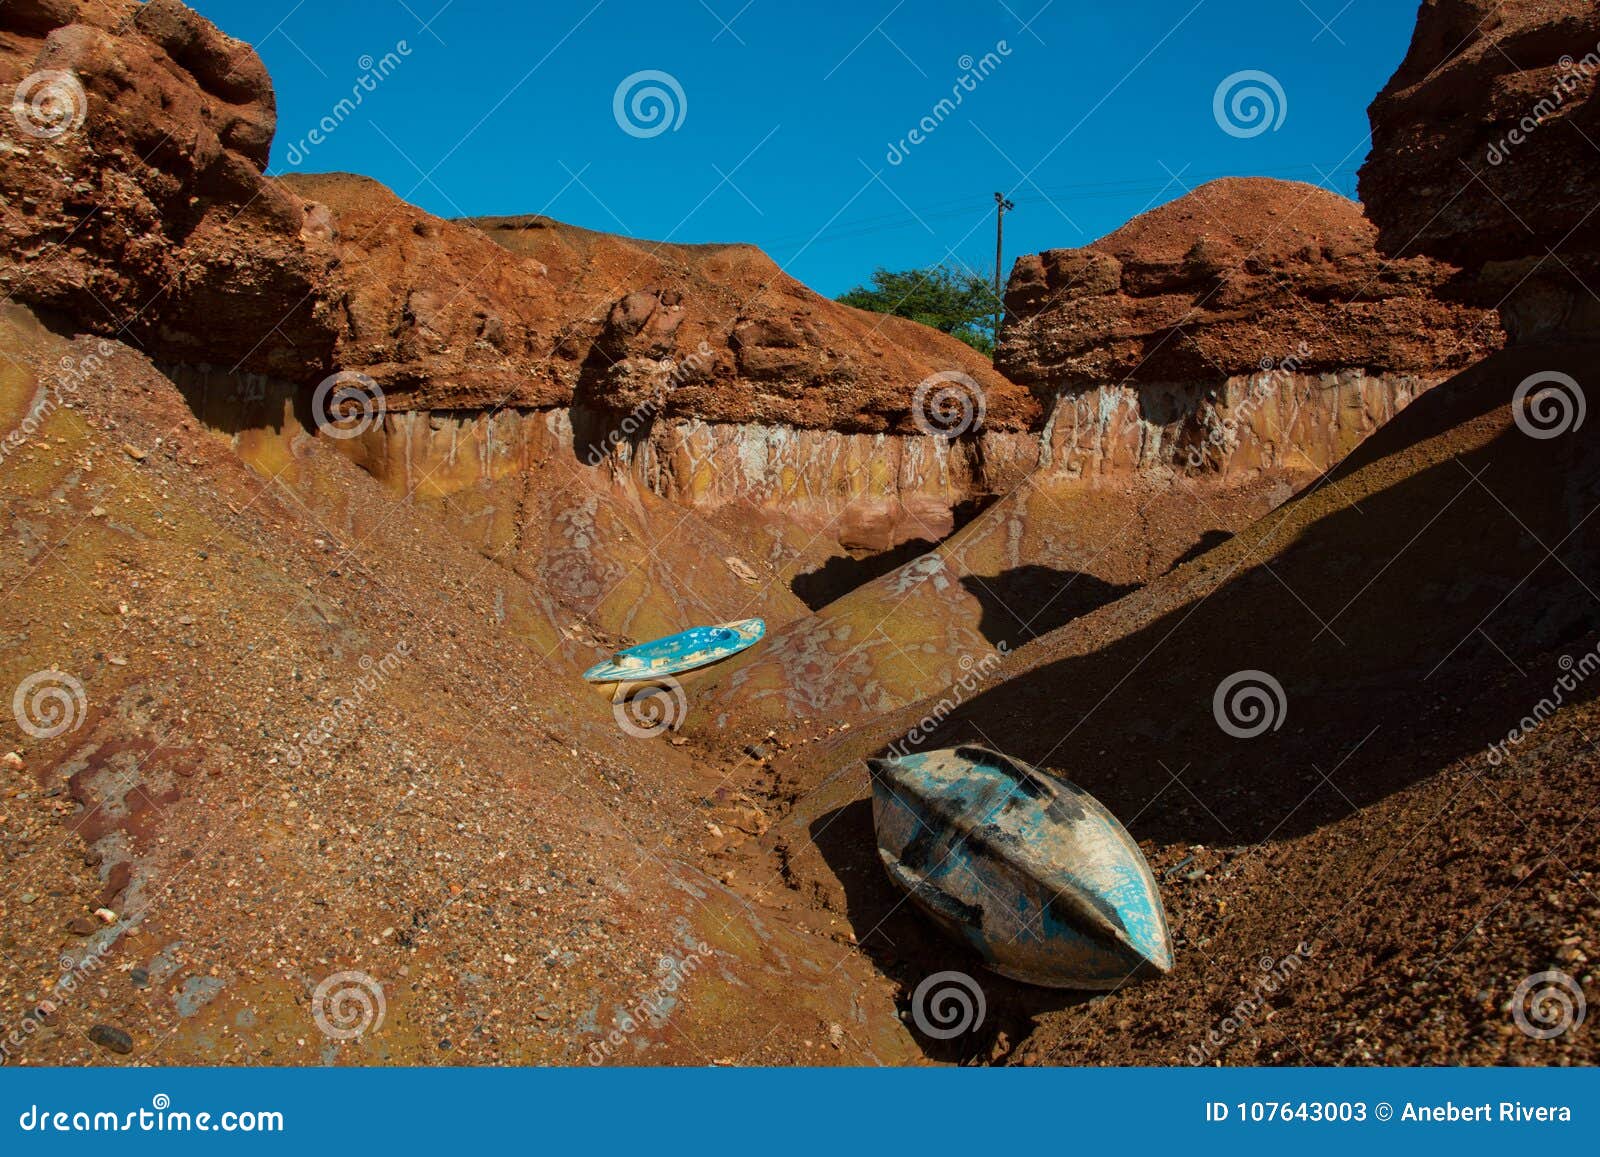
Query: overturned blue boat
x=1030, y=870
x=684, y=651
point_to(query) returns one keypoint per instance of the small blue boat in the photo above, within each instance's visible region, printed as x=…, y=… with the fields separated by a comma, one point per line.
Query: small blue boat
x=684, y=651
x=1030, y=870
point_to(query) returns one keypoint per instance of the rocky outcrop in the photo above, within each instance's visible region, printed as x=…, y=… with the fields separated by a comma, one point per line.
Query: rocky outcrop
x=1483, y=154
x=1247, y=322
x=131, y=194
x=721, y=333
x=135, y=202
x=1238, y=275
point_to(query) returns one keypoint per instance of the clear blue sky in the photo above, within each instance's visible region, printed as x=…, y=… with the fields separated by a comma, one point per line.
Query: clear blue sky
x=1093, y=113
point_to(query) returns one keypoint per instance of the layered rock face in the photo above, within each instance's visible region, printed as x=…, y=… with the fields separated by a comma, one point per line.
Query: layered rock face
x=1483, y=155
x=1200, y=364
x=1250, y=323
x=135, y=200
x=135, y=204
x=1239, y=273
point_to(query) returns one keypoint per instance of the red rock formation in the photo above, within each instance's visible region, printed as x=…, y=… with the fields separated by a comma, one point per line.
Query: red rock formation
x=1250, y=324
x=135, y=202
x=132, y=197
x=721, y=333
x=1240, y=273
x=1483, y=154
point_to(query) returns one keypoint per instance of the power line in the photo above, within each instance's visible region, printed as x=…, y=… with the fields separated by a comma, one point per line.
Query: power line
x=971, y=207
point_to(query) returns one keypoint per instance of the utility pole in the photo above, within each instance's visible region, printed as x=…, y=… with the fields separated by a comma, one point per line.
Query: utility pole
x=1001, y=207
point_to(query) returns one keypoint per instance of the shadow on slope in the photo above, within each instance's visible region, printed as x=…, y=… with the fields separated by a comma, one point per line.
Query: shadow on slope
x=1028, y=602
x=1411, y=609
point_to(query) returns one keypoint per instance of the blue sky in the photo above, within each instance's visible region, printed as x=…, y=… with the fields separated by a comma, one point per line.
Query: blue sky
x=1086, y=114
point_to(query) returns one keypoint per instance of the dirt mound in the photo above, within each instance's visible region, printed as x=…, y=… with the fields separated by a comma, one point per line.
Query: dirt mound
x=1392, y=798
x=1240, y=275
x=1482, y=154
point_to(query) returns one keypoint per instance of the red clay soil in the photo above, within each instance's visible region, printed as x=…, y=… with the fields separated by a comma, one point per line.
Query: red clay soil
x=755, y=344
x=321, y=733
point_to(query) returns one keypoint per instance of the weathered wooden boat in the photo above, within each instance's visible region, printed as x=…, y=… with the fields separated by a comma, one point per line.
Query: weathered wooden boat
x=1028, y=869
x=696, y=647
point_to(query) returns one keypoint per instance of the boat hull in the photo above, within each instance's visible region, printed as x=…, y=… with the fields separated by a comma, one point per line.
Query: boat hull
x=696, y=647
x=1030, y=871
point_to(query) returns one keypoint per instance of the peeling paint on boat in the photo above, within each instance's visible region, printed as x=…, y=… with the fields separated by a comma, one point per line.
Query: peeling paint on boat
x=1030, y=870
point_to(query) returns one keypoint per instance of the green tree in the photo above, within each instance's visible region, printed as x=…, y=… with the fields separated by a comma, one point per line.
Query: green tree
x=952, y=299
